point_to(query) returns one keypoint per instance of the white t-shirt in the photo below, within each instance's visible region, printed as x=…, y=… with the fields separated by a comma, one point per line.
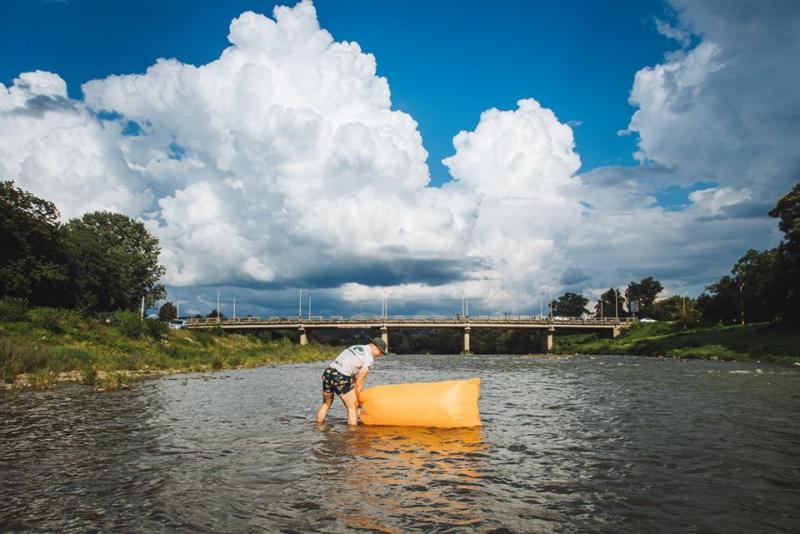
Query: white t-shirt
x=350, y=361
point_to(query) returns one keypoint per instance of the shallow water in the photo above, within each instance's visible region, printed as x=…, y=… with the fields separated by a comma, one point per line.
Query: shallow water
x=608, y=444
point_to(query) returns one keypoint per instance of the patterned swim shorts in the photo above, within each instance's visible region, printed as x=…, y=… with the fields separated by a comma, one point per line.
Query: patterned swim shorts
x=335, y=382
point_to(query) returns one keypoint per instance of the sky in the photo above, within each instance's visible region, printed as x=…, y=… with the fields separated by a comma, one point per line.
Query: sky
x=422, y=151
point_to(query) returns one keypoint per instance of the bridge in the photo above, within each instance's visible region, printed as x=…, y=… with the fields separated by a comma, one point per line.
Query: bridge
x=611, y=326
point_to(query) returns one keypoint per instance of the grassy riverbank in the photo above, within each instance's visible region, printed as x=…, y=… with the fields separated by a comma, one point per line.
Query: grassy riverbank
x=44, y=346
x=763, y=342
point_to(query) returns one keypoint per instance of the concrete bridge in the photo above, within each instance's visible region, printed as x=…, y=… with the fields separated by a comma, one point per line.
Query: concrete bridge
x=549, y=325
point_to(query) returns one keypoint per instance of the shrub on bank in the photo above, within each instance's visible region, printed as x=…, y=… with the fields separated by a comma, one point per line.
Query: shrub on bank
x=13, y=310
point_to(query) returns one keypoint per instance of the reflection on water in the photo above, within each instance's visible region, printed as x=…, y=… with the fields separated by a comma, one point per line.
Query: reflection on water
x=609, y=444
x=388, y=474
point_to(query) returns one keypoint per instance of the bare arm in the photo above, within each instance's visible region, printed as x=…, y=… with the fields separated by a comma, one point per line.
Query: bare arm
x=361, y=377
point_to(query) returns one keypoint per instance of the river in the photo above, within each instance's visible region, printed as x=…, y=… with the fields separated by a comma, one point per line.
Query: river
x=581, y=444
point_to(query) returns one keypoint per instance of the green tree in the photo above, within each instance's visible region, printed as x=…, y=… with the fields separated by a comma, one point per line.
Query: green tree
x=570, y=305
x=213, y=314
x=643, y=294
x=167, y=312
x=787, y=255
x=32, y=263
x=720, y=302
x=606, y=307
x=686, y=314
x=113, y=262
x=665, y=309
x=754, y=276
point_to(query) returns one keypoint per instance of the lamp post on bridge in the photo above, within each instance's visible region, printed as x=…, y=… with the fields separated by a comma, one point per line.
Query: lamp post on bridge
x=218, y=294
x=309, y=305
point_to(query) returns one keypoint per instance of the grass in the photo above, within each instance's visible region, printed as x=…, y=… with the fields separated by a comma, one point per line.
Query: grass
x=763, y=342
x=46, y=345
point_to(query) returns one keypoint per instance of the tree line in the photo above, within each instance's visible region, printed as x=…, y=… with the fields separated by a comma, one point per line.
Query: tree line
x=100, y=262
x=762, y=286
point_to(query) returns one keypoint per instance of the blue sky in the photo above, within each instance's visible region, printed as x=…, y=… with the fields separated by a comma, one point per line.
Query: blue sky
x=445, y=61
x=275, y=166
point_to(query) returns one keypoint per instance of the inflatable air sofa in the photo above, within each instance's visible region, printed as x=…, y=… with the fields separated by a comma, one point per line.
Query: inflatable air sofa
x=451, y=404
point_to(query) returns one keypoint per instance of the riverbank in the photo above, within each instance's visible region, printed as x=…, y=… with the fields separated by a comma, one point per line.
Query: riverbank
x=45, y=347
x=757, y=342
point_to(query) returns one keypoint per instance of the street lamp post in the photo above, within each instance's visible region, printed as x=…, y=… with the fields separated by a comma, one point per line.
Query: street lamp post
x=300, y=306
x=309, y=305
x=218, y=306
x=234, y=306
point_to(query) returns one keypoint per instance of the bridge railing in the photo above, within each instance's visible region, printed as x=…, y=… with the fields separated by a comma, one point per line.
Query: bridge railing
x=413, y=319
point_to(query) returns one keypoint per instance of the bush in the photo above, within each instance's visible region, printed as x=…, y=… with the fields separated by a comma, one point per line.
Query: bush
x=89, y=375
x=115, y=381
x=17, y=358
x=13, y=310
x=156, y=329
x=48, y=318
x=130, y=324
x=68, y=359
x=43, y=379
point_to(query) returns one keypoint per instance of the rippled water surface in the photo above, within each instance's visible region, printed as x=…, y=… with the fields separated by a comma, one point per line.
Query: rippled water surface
x=611, y=444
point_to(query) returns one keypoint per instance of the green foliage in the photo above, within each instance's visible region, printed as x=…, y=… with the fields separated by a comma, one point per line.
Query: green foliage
x=13, y=309
x=167, y=312
x=48, y=318
x=113, y=262
x=88, y=375
x=155, y=328
x=43, y=378
x=115, y=381
x=91, y=346
x=610, y=304
x=130, y=324
x=32, y=262
x=17, y=358
x=685, y=314
x=570, y=305
x=753, y=342
x=787, y=255
x=643, y=294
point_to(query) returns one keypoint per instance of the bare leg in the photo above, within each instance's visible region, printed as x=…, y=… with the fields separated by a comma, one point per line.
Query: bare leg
x=327, y=400
x=350, y=400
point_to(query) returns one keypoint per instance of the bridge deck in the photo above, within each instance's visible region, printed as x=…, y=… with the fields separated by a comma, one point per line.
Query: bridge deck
x=364, y=322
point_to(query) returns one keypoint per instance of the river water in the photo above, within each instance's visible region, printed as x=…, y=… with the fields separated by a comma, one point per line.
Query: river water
x=582, y=444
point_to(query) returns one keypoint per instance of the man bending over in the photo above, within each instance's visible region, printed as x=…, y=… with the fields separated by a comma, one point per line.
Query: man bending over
x=345, y=377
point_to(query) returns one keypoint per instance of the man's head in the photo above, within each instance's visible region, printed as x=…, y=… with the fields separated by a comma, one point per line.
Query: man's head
x=378, y=346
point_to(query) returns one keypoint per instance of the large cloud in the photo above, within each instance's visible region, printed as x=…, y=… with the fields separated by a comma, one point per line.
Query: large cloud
x=282, y=164
x=726, y=110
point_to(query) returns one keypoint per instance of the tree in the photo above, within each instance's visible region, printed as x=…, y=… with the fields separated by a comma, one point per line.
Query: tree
x=787, y=255
x=570, y=305
x=606, y=307
x=754, y=276
x=167, y=312
x=113, y=262
x=643, y=294
x=32, y=264
x=720, y=302
x=686, y=314
x=665, y=309
x=213, y=314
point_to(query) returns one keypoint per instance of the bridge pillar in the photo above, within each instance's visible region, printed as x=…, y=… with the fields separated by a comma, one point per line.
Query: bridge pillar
x=547, y=340
x=303, y=336
x=466, y=341
x=385, y=337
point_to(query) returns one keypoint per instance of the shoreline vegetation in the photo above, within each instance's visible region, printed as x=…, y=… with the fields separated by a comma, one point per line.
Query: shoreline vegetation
x=762, y=342
x=43, y=347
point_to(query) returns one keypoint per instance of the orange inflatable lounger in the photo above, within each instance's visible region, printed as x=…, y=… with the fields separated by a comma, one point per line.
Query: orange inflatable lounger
x=451, y=404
